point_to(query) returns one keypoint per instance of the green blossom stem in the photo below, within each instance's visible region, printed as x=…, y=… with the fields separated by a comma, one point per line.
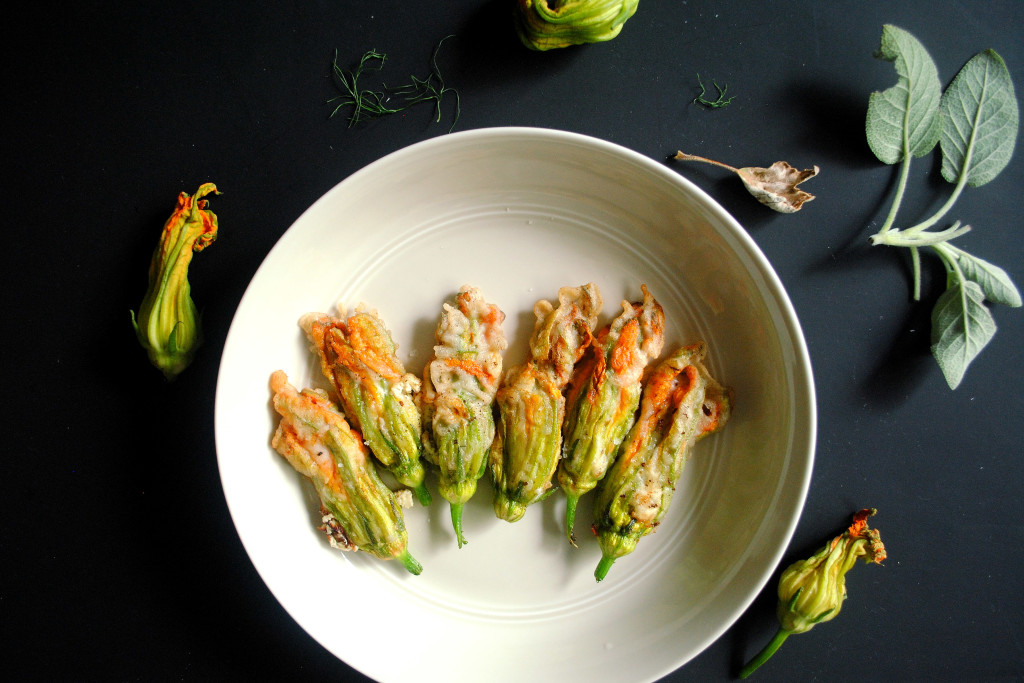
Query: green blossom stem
x=918, y=238
x=410, y=563
x=603, y=566
x=571, y=501
x=765, y=654
x=456, y=510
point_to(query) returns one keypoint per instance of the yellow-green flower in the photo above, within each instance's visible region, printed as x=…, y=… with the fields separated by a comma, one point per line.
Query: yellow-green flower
x=552, y=24
x=530, y=405
x=812, y=591
x=167, y=324
x=360, y=359
x=359, y=510
x=603, y=396
x=459, y=384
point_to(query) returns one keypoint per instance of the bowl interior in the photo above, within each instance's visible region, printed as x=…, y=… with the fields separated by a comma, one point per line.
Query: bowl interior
x=520, y=213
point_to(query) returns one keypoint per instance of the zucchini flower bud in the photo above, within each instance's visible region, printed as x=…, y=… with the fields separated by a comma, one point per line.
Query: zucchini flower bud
x=167, y=324
x=812, y=591
x=550, y=24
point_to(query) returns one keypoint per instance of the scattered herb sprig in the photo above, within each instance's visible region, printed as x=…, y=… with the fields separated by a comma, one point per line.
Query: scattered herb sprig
x=718, y=102
x=975, y=124
x=368, y=104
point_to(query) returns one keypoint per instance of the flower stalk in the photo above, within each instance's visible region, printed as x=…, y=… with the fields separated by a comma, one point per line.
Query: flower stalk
x=812, y=591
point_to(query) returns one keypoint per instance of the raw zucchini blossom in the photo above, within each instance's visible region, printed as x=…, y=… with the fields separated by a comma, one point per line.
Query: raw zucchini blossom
x=167, y=324
x=812, y=591
x=551, y=24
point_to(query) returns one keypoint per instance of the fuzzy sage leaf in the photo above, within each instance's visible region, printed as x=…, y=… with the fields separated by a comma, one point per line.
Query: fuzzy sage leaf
x=961, y=327
x=993, y=280
x=979, y=121
x=904, y=120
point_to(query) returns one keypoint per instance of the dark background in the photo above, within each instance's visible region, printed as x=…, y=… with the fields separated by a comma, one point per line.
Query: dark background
x=118, y=559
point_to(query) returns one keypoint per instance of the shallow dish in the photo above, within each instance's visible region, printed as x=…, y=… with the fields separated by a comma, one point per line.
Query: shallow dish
x=519, y=213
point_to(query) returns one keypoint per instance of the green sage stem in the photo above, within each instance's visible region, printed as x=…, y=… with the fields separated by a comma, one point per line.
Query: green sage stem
x=901, y=188
x=961, y=183
x=915, y=257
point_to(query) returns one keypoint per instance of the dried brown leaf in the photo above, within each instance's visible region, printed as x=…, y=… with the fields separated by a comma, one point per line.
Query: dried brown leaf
x=775, y=186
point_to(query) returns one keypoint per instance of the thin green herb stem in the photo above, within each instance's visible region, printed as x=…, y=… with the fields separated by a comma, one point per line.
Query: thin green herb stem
x=915, y=258
x=950, y=259
x=370, y=104
x=718, y=103
x=901, y=188
x=765, y=654
x=961, y=182
x=952, y=251
x=943, y=210
x=901, y=238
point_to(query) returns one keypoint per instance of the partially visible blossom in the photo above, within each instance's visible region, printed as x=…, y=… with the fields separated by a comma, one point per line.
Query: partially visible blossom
x=812, y=591
x=552, y=24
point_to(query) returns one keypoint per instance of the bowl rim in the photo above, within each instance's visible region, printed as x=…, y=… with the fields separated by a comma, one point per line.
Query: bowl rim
x=805, y=430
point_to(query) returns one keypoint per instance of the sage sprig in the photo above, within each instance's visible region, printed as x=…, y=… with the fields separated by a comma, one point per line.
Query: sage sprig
x=974, y=122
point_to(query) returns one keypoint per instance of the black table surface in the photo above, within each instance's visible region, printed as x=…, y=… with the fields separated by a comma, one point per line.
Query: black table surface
x=119, y=558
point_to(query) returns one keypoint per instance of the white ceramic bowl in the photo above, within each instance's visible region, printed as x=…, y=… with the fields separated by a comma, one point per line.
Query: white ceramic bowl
x=519, y=213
